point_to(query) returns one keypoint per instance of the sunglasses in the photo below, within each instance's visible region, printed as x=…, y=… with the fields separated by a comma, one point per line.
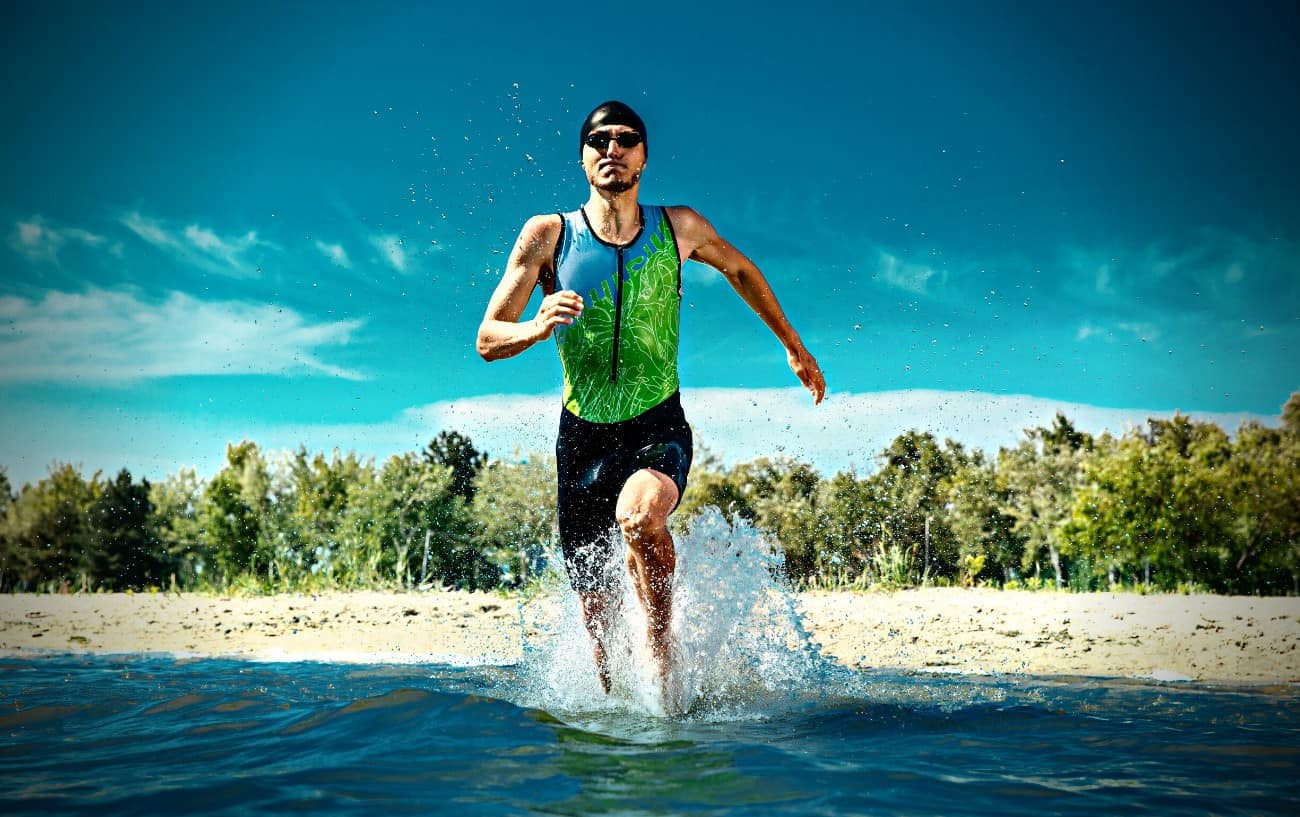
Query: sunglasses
x=600, y=141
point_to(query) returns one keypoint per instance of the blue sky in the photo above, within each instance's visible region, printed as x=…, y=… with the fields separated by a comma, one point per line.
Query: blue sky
x=230, y=222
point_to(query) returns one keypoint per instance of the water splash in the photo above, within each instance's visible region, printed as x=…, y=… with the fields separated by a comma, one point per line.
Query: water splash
x=740, y=650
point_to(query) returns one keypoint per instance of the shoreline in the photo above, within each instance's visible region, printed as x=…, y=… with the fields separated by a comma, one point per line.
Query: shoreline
x=1202, y=638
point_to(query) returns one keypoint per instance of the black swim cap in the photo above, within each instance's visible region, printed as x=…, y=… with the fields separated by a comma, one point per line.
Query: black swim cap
x=613, y=112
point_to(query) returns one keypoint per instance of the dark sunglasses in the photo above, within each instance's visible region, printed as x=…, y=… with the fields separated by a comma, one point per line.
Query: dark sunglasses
x=626, y=139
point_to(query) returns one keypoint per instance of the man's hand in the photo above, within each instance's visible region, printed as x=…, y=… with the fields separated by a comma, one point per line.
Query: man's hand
x=558, y=309
x=805, y=367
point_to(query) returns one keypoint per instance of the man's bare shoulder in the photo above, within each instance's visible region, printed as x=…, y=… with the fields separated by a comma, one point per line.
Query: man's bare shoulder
x=538, y=236
x=541, y=227
x=685, y=218
x=691, y=229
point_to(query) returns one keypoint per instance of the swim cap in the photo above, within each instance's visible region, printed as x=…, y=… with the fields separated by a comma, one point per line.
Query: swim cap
x=613, y=112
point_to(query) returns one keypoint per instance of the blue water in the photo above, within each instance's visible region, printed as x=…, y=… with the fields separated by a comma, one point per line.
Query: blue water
x=755, y=722
x=161, y=736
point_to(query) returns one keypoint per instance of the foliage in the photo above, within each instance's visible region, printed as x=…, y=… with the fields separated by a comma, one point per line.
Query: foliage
x=453, y=450
x=1176, y=506
x=514, y=514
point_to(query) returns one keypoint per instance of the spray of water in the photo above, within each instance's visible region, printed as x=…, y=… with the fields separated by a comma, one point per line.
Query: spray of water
x=739, y=647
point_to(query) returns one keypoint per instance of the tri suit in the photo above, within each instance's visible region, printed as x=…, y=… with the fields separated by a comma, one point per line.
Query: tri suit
x=622, y=410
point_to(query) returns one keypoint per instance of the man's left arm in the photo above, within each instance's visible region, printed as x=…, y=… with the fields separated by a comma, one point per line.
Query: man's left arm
x=699, y=241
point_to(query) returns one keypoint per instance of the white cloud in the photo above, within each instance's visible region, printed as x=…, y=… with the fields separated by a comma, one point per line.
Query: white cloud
x=1209, y=267
x=904, y=274
x=743, y=424
x=112, y=336
x=41, y=242
x=1143, y=332
x=335, y=253
x=233, y=256
x=392, y=250
x=1103, y=280
x=847, y=430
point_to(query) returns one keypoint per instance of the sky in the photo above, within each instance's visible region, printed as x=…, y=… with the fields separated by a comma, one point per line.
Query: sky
x=282, y=222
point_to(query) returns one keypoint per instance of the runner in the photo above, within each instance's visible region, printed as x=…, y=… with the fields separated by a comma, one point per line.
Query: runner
x=610, y=273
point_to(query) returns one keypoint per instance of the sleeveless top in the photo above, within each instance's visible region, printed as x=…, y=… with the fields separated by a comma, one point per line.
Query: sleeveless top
x=620, y=355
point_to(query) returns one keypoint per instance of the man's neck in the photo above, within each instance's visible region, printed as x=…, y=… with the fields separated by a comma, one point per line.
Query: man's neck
x=616, y=217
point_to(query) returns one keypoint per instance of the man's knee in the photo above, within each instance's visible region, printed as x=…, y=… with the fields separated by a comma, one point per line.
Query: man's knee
x=638, y=522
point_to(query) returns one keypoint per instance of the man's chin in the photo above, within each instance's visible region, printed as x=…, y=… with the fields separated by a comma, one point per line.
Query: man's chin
x=616, y=185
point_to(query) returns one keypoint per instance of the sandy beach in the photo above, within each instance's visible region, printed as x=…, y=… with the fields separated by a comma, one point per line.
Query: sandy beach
x=1198, y=638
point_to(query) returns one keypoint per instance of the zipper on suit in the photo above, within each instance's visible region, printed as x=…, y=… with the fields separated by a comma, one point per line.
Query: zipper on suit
x=618, y=318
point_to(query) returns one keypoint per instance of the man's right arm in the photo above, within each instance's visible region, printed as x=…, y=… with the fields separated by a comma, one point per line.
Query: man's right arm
x=501, y=334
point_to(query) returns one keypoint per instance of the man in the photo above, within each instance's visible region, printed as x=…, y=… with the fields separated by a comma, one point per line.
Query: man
x=610, y=273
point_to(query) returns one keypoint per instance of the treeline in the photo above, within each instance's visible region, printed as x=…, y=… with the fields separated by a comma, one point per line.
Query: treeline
x=1174, y=505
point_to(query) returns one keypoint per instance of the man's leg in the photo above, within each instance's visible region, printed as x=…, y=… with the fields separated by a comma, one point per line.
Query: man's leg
x=642, y=512
x=596, y=614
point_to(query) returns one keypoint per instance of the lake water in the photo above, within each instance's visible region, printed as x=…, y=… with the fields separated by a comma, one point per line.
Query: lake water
x=757, y=722
x=152, y=736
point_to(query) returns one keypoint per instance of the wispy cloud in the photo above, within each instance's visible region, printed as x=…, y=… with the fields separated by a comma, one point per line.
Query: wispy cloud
x=335, y=253
x=392, y=251
x=903, y=274
x=1210, y=271
x=201, y=247
x=113, y=336
x=41, y=242
x=1144, y=332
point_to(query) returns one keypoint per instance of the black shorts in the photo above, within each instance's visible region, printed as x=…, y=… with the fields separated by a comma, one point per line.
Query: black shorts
x=594, y=461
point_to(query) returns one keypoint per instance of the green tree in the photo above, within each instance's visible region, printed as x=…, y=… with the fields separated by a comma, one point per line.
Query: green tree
x=126, y=554
x=514, y=512
x=236, y=503
x=849, y=529
x=1153, y=508
x=784, y=498
x=1262, y=483
x=455, y=451
x=911, y=486
x=6, y=491
x=177, y=528
x=1038, y=480
x=1291, y=414
x=985, y=533
x=312, y=495
x=48, y=534
x=409, y=526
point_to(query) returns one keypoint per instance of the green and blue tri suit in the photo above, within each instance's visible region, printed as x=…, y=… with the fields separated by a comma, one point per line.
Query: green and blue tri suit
x=622, y=410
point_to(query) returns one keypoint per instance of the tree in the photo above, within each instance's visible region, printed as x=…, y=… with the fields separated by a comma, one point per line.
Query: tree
x=313, y=495
x=408, y=526
x=514, y=513
x=177, y=528
x=984, y=531
x=1291, y=414
x=236, y=503
x=48, y=536
x=6, y=491
x=1153, y=507
x=849, y=526
x=1038, y=480
x=910, y=484
x=126, y=554
x=455, y=451
x=1262, y=484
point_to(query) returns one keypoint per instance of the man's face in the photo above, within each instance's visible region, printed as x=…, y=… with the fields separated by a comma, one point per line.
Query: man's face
x=612, y=167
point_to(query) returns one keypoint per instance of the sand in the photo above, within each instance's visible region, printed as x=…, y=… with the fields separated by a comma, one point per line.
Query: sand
x=1178, y=638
